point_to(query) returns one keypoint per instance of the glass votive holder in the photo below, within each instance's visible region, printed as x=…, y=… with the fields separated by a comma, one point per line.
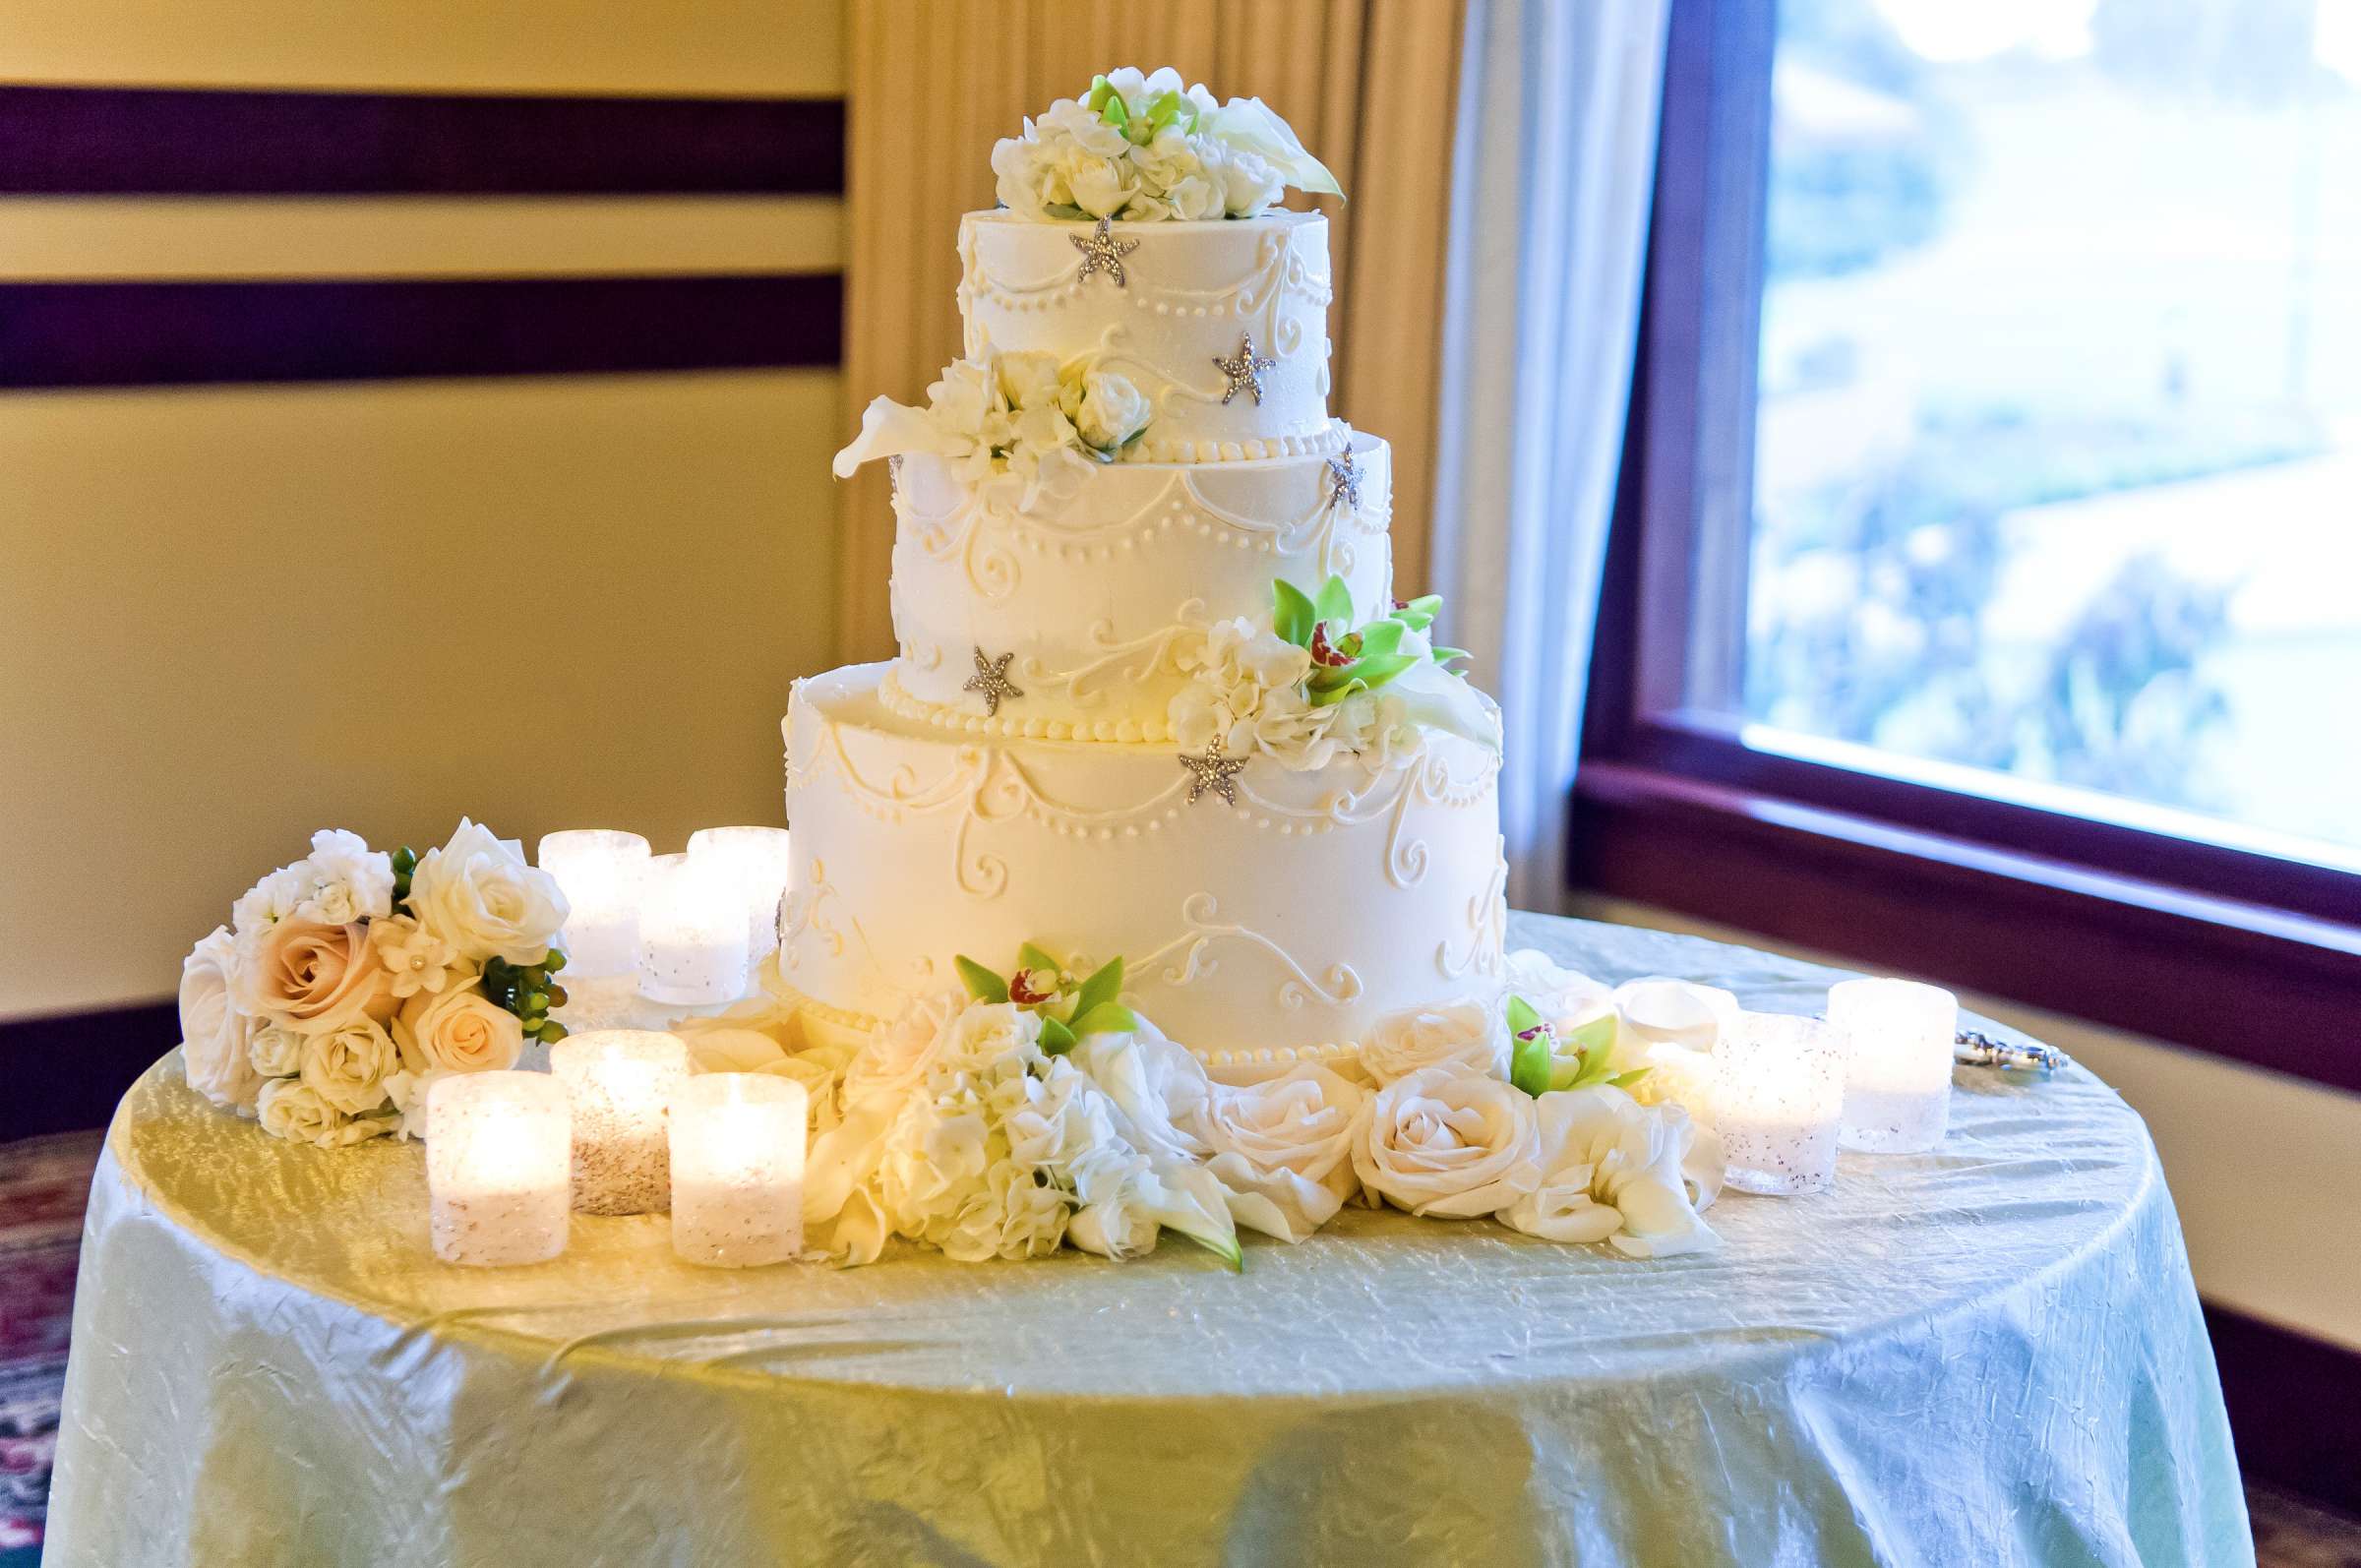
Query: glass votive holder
x=1897, y=1076
x=600, y=872
x=620, y=1083
x=1674, y=1012
x=693, y=949
x=1779, y=1100
x=497, y=1174
x=737, y=1169
x=757, y=859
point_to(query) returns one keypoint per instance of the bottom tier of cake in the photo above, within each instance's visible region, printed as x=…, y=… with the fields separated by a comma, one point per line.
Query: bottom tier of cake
x=1262, y=933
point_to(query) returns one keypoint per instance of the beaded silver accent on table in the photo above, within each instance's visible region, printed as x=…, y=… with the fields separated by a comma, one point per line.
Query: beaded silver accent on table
x=992, y=680
x=1101, y=253
x=1244, y=371
x=1973, y=1048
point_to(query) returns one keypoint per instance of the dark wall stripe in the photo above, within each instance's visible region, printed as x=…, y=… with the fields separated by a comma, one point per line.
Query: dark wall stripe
x=157, y=142
x=2295, y=1407
x=145, y=334
x=66, y=1072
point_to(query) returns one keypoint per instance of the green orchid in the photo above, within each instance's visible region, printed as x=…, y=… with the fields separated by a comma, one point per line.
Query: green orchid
x=1069, y=1007
x=1165, y=108
x=1345, y=658
x=1544, y=1061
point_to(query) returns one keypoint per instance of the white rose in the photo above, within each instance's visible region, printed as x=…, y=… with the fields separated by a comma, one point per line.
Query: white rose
x=1463, y=1036
x=1248, y=184
x=290, y=1108
x=1118, y=1227
x=1101, y=186
x=1284, y=1149
x=1449, y=1144
x=1029, y=380
x=1614, y=1172
x=457, y=1031
x=1112, y=411
x=276, y=1053
x=478, y=894
x=349, y=881
x=214, y=1032
x=347, y=1066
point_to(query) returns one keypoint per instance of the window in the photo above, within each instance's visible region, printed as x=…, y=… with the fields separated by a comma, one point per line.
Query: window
x=1983, y=594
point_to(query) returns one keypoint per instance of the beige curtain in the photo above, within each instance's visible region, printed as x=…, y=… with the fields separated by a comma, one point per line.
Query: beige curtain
x=1368, y=84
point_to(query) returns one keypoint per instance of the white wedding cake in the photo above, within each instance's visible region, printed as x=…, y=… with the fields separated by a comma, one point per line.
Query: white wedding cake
x=1154, y=695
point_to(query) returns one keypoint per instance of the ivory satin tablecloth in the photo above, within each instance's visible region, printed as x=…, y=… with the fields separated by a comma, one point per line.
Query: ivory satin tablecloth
x=1990, y=1354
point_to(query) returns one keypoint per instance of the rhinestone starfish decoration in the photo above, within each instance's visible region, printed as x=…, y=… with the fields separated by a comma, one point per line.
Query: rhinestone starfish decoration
x=1102, y=254
x=1345, y=480
x=1244, y=371
x=1213, y=772
x=992, y=678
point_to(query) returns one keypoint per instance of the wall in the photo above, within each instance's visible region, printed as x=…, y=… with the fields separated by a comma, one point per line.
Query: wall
x=231, y=614
x=2260, y=1165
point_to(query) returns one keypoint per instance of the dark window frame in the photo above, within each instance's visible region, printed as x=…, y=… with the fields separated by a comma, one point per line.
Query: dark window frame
x=2241, y=954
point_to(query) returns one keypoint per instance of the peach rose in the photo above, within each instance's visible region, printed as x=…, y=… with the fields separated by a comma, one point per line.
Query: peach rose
x=457, y=1031
x=310, y=976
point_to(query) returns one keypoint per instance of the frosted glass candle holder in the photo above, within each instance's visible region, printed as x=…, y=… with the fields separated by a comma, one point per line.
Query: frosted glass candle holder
x=1675, y=1012
x=755, y=857
x=600, y=872
x=1898, y=1077
x=1778, y=1102
x=497, y=1175
x=692, y=933
x=620, y=1084
x=737, y=1169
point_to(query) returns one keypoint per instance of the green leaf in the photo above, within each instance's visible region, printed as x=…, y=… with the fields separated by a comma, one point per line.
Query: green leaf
x=1292, y=615
x=1169, y=106
x=1031, y=957
x=981, y=982
x=1429, y=605
x=1106, y=1018
x=1056, y=1038
x=1375, y=672
x=1104, y=983
x=1379, y=639
x=1072, y=214
x=1446, y=655
x=1100, y=90
x=1329, y=696
x=1335, y=602
x=1116, y=112
x=1529, y=1059
x=1624, y=1080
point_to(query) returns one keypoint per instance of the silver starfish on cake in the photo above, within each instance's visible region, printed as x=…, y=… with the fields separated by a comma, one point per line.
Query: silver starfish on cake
x=992, y=678
x=1244, y=371
x=1344, y=476
x=1102, y=254
x=1213, y=772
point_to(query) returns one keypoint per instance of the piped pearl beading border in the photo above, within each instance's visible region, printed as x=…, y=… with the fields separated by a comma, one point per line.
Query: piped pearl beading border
x=1326, y=442
x=898, y=701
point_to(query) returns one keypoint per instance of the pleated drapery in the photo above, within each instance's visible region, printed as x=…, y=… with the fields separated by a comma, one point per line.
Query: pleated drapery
x=1369, y=85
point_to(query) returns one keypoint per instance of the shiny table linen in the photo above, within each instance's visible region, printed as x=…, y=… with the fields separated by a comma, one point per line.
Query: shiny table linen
x=1989, y=1354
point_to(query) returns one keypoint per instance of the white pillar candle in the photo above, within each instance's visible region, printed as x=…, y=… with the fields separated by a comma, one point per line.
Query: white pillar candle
x=1779, y=1100
x=599, y=871
x=737, y=1169
x=1898, y=1078
x=496, y=1167
x=755, y=857
x=692, y=933
x=620, y=1083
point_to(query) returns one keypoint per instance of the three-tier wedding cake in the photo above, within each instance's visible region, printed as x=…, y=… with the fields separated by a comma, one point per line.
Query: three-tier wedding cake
x=1154, y=695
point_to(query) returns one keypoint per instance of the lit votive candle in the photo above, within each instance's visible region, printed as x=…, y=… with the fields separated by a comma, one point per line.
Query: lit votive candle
x=757, y=859
x=620, y=1083
x=1778, y=1099
x=737, y=1169
x=600, y=872
x=1898, y=1081
x=496, y=1167
x=692, y=933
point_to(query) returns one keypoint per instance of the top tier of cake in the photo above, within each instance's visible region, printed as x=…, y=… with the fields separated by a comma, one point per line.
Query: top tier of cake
x=1164, y=304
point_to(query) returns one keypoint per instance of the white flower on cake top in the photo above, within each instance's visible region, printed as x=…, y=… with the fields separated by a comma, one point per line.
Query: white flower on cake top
x=1144, y=148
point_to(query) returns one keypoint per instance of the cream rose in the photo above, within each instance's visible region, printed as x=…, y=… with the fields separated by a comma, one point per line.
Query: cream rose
x=1449, y=1144
x=1284, y=1149
x=214, y=1032
x=348, y=1066
x=1109, y=410
x=457, y=1031
x=311, y=976
x=478, y=894
x=1464, y=1035
x=1615, y=1171
x=277, y=1053
x=290, y=1108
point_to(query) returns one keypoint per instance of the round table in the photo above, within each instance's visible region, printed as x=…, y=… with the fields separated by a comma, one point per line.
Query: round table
x=1987, y=1355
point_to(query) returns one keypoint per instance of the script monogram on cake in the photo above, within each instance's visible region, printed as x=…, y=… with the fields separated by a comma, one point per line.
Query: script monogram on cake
x=1154, y=695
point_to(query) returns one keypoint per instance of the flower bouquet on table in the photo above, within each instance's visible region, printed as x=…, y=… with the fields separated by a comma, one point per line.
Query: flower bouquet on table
x=348, y=981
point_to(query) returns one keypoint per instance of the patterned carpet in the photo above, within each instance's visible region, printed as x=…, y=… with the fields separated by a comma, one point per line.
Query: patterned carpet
x=44, y=1182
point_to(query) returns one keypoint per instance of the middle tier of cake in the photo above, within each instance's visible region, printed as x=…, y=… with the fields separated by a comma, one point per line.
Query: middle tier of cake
x=1084, y=602
x=1275, y=927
